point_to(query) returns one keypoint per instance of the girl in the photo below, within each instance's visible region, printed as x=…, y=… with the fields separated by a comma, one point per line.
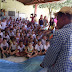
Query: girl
x=4, y=48
x=13, y=48
x=21, y=48
x=30, y=51
x=17, y=37
x=46, y=46
x=44, y=40
x=39, y=47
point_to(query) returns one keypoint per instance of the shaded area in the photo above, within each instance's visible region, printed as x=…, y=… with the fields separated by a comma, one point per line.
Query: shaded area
x=30, y=2
x=30, y=65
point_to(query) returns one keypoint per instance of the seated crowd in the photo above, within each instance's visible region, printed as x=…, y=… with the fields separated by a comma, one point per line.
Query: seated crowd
x=23, y=38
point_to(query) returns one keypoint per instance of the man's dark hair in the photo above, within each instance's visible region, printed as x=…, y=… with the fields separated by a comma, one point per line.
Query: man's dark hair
x=66, y=14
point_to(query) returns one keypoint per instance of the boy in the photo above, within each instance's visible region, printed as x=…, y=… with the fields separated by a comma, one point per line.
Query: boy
x=39, y=47
x=21, y=48
x=4, y=47
x=1, y=33
x=13, y=47
x=44, y=40
x=46, y=46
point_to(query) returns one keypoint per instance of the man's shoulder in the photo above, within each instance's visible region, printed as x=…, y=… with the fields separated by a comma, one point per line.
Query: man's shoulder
x=61, y=31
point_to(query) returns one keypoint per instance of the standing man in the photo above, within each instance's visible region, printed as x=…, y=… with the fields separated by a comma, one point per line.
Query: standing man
x=59, y=54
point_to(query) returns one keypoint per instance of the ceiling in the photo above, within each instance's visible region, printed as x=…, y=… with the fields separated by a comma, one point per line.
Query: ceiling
x=30, y=2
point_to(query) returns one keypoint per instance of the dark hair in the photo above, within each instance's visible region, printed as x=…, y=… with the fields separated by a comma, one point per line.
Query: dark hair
x=0, y=36
x=39, y=40
x=6, y=32
x=66, y=14
x=51, y=22
x=47, y=40
x=32, y=14
x=4, y=39
x=11, y=29
x=20, y=41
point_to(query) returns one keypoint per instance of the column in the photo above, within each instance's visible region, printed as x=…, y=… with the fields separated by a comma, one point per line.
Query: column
x=0, y=4
x=35, y=9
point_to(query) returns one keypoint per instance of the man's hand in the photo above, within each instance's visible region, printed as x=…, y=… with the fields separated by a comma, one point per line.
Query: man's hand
x=41, y=65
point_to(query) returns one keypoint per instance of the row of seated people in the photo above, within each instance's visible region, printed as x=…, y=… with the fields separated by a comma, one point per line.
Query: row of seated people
x=23, y=32
x=20, y=49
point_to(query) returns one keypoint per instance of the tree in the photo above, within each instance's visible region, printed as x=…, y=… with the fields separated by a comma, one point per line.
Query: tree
x=56, y=5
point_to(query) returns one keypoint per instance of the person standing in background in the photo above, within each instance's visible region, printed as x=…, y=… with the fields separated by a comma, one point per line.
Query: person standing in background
x=41, y=21
x=45, y=21
x=2, y=14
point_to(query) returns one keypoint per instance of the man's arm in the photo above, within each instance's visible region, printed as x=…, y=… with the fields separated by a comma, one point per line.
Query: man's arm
x=52, y=52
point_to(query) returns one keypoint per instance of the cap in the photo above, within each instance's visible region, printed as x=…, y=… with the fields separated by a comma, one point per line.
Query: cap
x=65, y=10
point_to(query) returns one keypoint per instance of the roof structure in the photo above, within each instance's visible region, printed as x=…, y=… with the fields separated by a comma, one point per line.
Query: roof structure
x=31, y=2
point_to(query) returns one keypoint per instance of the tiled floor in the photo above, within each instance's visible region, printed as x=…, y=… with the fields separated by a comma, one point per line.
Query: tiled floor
x=15, y=59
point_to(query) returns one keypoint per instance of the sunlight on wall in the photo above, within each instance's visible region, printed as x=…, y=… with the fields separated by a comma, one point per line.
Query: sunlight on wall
x=0, y=4
x=13, y=5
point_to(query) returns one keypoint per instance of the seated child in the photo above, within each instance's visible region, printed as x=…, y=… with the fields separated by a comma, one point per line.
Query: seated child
x=17, y=37
x=1, y=39
x=46, y=46
x=30, y=51
x=11, y=33
x=4, y=47
x=36, y=39
x=13, y=48
x=44, y=40
x=21, y=48
x=6, y=36
x=39, y=47
x=1, y=33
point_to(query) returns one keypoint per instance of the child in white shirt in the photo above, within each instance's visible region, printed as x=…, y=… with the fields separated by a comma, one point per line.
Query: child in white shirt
x=39, y=47
x=4, y=48
x=0, y=24
x=44, y=40
x=1, y=33
x=21, y=48
x=6, y=36
x=11, y=33
x=46, y=46
x=13, y=48
x=30, y=51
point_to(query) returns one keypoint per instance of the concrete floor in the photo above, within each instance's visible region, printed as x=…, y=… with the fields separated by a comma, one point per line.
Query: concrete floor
x=14, y=59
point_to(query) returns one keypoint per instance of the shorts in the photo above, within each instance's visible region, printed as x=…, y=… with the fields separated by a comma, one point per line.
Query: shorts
x=33, y=53
x=43, y=50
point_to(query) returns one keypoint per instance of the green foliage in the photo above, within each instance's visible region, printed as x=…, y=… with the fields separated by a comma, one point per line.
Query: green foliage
x=56, y=5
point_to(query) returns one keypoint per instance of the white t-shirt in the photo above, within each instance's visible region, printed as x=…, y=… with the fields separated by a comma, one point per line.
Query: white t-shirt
x=46, y=46
x=14, y=46
x=37, y=47
x=25, y=26
x=34, y=36
x=43, y=41
x=14, y=31
x=7, y=37
x=1, y=34
x=11, y=34
x=21, y=48
x=3, y=25
x=3, y=45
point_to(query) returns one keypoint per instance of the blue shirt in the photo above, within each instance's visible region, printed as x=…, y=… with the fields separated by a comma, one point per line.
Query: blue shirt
x=58, y=55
